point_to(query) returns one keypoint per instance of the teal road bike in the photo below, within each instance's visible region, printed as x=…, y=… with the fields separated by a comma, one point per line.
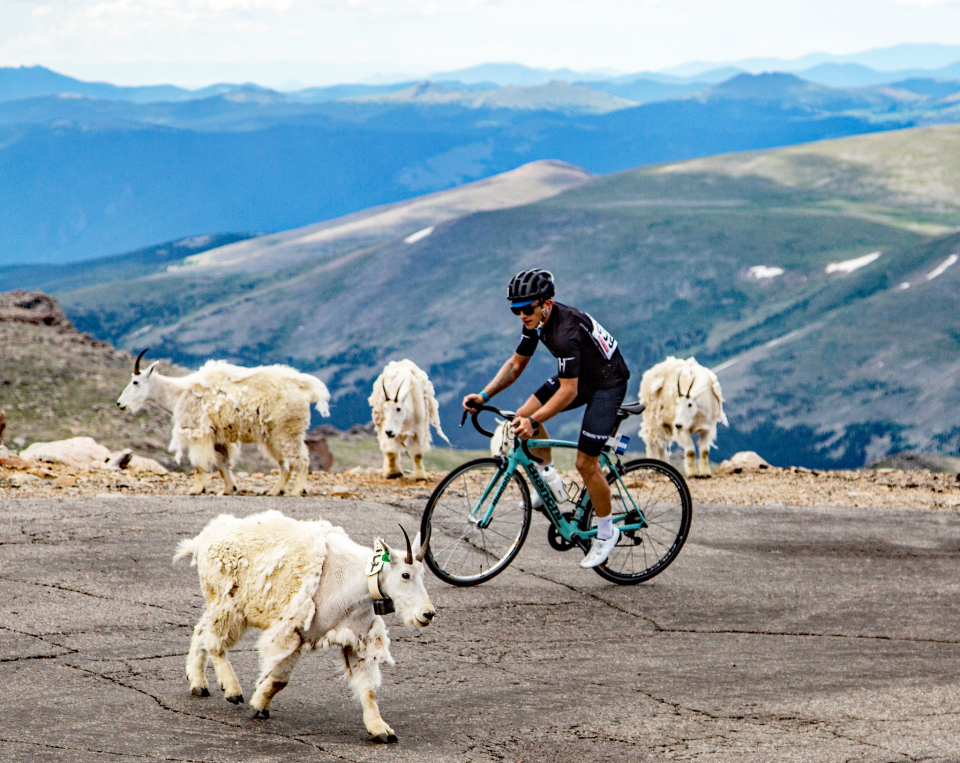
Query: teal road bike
x=479, y=515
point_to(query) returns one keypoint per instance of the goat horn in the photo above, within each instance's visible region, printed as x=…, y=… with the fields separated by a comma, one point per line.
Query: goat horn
x=425, y=539
x=383, y=384
x=136, y=363
x=691, y=387
x=679, y=391
x=409, y=557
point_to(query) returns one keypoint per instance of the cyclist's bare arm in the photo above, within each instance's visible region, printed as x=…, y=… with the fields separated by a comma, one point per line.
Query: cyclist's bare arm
x=560, y=400
x=506, y=376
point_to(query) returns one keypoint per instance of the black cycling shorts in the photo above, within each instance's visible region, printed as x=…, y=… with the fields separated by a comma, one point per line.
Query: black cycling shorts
x=599, y=419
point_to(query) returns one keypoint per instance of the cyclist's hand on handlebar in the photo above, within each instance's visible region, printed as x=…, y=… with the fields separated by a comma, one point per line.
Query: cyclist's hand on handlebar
x=523, y=429
x=473, y=403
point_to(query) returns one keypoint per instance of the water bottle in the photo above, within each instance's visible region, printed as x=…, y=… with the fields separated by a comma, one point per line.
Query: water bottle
x=555, y=483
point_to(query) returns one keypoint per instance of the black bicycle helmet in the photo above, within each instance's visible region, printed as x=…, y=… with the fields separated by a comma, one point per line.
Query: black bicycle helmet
x=530, y=285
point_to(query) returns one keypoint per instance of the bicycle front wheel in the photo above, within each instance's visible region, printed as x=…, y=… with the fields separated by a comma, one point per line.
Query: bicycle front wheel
x=661, y=494
x=464, y=550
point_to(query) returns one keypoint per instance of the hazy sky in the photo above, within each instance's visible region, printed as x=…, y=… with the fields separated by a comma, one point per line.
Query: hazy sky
x=355, y=38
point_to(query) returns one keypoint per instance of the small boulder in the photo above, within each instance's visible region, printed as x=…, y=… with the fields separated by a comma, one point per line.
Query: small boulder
x=745, y=460
x=79, y=452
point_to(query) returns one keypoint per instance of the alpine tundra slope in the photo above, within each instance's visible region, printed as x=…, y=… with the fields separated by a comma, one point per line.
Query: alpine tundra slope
x=817, y=280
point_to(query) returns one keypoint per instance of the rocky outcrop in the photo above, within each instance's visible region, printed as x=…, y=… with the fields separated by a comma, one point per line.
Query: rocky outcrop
x=32, y=307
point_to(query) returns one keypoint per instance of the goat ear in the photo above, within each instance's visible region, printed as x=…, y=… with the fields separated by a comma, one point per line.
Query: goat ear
x=151, y=368
x=392, y=555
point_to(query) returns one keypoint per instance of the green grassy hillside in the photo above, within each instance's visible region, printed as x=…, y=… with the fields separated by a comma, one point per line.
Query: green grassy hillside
x=663, y=257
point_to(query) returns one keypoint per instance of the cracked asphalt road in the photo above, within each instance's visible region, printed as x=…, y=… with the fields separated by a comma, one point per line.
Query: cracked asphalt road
x=779, y=634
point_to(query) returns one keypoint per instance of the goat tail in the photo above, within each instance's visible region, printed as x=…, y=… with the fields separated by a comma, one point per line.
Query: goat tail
x=319, y=394
x=187, y=548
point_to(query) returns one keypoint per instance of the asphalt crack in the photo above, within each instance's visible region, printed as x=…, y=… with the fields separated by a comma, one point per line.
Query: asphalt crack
x=49, y=746
x=782, y=720
x=244, y=727
x=736, y=631
x=92, y=595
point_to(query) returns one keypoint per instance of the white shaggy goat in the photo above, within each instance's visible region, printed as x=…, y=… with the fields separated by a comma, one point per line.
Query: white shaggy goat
x=221, y=405
x=682, y=399
x=404, y=406
x=502, y=440
x=304, y=585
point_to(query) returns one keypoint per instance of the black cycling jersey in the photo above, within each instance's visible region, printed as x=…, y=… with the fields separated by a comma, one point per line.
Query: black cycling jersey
x=583, y=348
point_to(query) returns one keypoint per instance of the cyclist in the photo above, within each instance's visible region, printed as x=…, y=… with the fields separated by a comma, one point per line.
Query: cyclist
x=591, y=372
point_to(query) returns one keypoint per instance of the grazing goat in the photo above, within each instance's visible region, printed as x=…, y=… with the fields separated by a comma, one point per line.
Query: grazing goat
x=304, y=585
x=221, y=405
x=672, y=414
x=404, y=406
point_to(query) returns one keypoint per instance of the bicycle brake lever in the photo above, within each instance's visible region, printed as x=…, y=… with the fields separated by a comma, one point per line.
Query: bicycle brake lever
x=463, y=419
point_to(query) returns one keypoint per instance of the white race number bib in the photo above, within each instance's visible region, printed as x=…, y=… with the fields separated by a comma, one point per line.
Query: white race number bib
x=601, y=337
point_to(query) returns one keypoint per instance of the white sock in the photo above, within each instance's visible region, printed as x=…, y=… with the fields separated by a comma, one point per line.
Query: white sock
x=605, y=527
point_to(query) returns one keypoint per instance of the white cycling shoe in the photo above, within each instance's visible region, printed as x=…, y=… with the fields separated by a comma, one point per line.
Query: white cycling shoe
x=600, y=550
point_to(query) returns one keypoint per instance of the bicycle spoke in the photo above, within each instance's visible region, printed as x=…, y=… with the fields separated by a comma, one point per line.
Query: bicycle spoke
x=467, y=553
x=659, y=494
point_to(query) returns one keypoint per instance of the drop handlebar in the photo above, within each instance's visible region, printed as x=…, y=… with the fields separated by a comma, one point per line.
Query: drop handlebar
x=508, y=415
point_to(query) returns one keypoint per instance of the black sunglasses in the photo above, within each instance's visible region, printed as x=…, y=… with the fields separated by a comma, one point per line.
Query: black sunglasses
x=525, y=310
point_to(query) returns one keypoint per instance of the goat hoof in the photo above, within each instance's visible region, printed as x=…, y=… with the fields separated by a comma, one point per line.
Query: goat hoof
x=265, y=714
x=200, y=691
x=394, y=477
x=235, y=699
x=386, y=738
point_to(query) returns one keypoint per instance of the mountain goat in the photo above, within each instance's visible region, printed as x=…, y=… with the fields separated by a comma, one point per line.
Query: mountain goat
x=673, y=414
x=404, y=406
x=221, y=405
x=304, y=585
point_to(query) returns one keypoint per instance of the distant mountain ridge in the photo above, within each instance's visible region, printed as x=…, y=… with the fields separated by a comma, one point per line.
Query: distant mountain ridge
x=820, y=280
x=83, y=176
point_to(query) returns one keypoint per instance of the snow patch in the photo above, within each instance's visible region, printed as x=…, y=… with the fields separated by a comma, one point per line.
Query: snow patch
x=413, y=238
x=904, y=285
x=941, y=268
x=848, y=266
x=764, y=271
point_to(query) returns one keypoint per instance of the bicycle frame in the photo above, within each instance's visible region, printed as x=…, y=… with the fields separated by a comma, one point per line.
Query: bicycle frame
x=568, y=529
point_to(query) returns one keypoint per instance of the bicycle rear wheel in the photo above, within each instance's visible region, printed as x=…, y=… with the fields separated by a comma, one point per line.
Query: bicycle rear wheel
x=461, y=552
x=662, y=496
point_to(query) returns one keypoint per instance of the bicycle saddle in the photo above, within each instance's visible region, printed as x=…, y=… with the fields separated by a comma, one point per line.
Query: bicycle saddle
x=631, y=409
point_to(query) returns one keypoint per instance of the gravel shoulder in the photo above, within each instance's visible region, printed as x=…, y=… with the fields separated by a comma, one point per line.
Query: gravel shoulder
x=884, y=488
